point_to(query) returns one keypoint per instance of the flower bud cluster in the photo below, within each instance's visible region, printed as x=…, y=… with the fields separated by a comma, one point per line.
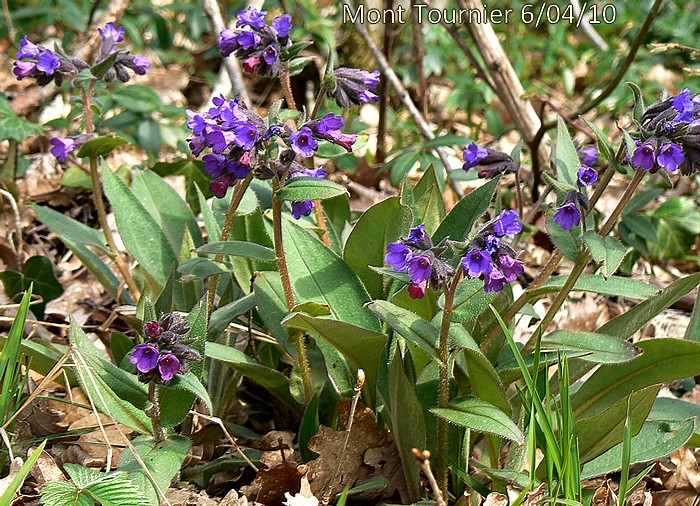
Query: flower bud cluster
x=258, y=45
x=493, y=163
x=416, y=255
x=491, y=259
x=165, y=354
x=352, y=86
x=669, y=137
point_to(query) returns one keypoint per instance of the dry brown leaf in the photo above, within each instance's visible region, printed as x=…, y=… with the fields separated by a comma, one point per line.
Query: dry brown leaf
x=233, y=499
x=496, y=499
x=674, y=498
x=186, y=497
x=275, y=481
x=46, y=470
x=686, y=475
x=345, y=468
x=602, y=496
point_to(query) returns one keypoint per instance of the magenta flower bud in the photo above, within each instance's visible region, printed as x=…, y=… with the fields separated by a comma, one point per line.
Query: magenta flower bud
x=417, y=290
x=153, y=330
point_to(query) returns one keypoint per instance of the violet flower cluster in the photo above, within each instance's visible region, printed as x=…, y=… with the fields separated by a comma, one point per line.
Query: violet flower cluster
x=258, y=45
x=568, y=215
x=493, y=163
x=350, y=86
x=490, y=258
x=417, y=256
x=669, y=137
x=165, y=354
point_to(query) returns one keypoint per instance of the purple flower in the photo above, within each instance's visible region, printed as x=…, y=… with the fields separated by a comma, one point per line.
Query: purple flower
x=251, y=17
x=568, y=215
x=168, y=366
x=246, y=135
x=27, y=49
x=303, y=142
x=683, y=103
x=24, y=69
x=494, y=281
x=418, y=235
x=419, y=268
x=282, y=25
x=473, y=156
x=330, y=126
x=270, y=55
x=644, y=157
x=319, y=173
x=228, y=42
x=111, y=36
x=507, y=224
x=511, y=267
x=417, y=290
x=370, y=79
x=588, y=156
x=62, y=147
x=214, y=165
x=477, y=262
x=671, y=156
x=302, y=208
x=196, y=122
x=353, y=86
x=198, y=144
x=47, y=62
x=145, y=357
x=249, y=40
x=492, y=244
x=398, y=256
x=139, y=64
x=153, y=330
x=587, y=176
x=219, y=139
x=220, y=185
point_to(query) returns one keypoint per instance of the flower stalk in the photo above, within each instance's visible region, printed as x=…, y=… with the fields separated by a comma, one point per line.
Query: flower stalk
x=98, y=198
x=158, y=432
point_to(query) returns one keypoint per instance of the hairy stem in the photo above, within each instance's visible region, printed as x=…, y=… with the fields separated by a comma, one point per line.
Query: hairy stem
x=289, y=294
x=236, y=199
x=158, y=432
x=99, y=200
x=444, y=380
x=319, y=98
x=287, y=88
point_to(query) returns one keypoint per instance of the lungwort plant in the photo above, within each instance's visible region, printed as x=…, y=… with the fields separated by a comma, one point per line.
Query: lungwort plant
x=282, y=286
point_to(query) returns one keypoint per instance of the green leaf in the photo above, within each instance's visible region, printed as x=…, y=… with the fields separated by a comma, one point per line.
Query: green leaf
x=567, y=161
x=429, y=201
x=200, y=268
x=638, y=101
x=224, y=315
x=296, y=66
x=409, y=325
x=318, y=274
x=604, y=145
x=598, y=434
x=461, y=219
x=401, y=164
x=668, y=409
x=167, y=208
x=599, y=348
x=615, y=285
x=75, y=177
x=407, y=422
x=17, y=481
x=100, y=69
x=10, y=366
x=633, y=320
x=272, y=307
x=361, y=347
x=381, y=224
x=140, y=232
x=309, y=188
x=68, y=228
x=239, y=248
x=162, y=459
x=662, y=360
x=176, y=387
x=470, y=300
x=655, y=440
x=608, y=250
x=276, y=382
x=569, y=242
x=479, y=415
x=100, y=146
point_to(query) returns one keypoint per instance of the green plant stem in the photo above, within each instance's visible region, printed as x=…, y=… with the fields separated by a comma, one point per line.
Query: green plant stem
x=444, y=380
x=236, y=199
x=319, y=98
x=287, y=87
x=99, y=200
x=582, y=261
x=289, y=293
x=549, y=267
x=158, y=432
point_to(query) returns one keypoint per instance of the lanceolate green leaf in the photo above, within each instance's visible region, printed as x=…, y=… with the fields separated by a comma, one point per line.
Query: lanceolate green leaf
x=309, y=188
x=568, y=242
x=470, y=300
x=381, y=224
x=662, y=360
x=603, y=431
x=141, y=234
x=595, y=347
x=655, y=440
x=566, y=156
x=608, y=250
x=361, y=347
x=429, y=201
x=667, y=409
x=100, y=146
x=68, y=228
x=239, y=248
x=630, y=322
x=459, y=222
x=479, y=415
x=614, y=285
x=318, y=274
x=409, y=325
